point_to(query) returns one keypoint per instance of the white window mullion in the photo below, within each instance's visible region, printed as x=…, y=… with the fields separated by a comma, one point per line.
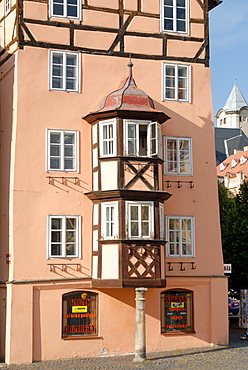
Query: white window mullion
x=174, y=16
x=64, y=71
x=63, y=252
x=139, y=219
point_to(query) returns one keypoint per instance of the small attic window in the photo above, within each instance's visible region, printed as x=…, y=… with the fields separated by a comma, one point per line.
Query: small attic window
x=243, y=159
x=233, y=163
x=222, y=166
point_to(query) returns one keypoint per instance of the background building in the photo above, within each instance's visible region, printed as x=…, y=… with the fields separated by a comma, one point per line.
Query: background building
x=125, y=198
x=232, y=126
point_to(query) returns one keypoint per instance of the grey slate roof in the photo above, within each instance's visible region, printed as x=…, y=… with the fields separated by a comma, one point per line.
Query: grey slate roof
x=226, y=140
x=235, y=100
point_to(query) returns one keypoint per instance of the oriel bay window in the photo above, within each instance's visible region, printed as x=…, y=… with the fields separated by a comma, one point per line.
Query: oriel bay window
x=143, y=138
x=110, y=220
x=63, y=236
x=140, y=220
x=177, y=311
x=79, y=312
x=62, y=150
x=180, y=236
x=107, y=137
x=178, y=156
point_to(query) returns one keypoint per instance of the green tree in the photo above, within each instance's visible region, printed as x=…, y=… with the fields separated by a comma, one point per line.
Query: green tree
x=234, y=231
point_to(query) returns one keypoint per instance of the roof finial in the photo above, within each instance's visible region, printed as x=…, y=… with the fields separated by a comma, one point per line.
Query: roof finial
x=130, y=65
x=235, y=81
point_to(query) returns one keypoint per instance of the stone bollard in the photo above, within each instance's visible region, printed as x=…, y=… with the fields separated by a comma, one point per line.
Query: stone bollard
x=140, y=329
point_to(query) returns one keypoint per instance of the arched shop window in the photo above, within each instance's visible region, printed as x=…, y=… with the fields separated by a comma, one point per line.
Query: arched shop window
x=177, y=311
x=79, y=314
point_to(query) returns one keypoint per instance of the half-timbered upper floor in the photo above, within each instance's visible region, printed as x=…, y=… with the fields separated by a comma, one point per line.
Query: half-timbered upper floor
x=165, y=29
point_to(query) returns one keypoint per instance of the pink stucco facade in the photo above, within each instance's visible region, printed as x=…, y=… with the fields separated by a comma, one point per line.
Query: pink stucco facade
x=35, y=280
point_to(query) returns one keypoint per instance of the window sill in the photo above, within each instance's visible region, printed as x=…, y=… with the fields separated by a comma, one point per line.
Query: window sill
x=178, y=333
x=82, y=337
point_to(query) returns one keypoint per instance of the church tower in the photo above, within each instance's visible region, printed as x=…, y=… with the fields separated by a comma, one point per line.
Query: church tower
x=234, y=114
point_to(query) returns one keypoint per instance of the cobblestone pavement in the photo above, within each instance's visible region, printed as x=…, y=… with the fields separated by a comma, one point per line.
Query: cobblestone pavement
x=232, y=357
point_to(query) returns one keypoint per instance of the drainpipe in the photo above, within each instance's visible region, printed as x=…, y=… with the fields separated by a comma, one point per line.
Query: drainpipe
x=140, y=329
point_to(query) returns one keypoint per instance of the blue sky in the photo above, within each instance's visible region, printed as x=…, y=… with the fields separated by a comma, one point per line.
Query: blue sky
x=229, y=50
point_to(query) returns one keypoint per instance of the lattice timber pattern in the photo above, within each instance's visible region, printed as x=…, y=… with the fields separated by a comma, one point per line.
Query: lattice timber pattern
x=143, y=261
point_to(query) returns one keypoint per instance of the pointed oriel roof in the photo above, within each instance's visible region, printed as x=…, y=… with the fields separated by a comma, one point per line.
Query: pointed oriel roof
x=235, y=100
x=127, y=101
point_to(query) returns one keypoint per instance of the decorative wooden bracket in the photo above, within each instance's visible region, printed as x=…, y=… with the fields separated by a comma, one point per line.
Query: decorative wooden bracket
x=182, y=267
x=63, y=267
x=179, y=183
x=63, y=179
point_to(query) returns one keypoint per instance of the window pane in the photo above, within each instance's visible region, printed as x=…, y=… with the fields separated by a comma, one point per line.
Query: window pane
x=71, y=60
x=131, y=131
x=55, y=150
x=56, y=236
x=69, y=138
x=145, y=213
x=145, y=229
x=55, y=163
x=57, y=83
x=170, y=71
x=174, y=224
x=72, y=11
x=134, y=212
x=71, y=84
x=56, y=250
x=70, y=250
x=168, y=2
x=181, y=3
x=71, y=223
x=56, y=223
x=180, y=13
x=57, y=70
x=134, y=228
x=168, y=12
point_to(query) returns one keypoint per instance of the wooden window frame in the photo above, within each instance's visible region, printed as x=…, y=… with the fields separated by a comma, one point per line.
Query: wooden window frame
x=62, y=145
x=64, y=76
x=129, y=204
x=85, y=323
x=176, y=310
x=7, y=6
x=108, y=123
x=65, y=10
x=114, y=221
x=180, y=237
x=178, y=153
x=174, y=18
x=176, y=86
x=63, y=242
x=157, y=137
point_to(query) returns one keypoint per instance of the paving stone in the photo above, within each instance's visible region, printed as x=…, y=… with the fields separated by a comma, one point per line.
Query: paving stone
x=232, y=357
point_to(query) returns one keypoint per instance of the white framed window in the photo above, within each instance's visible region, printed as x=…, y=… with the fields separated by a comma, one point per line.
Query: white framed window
x=64, y=72
x=161, y=220
x=107, y=137
x=143, y=138
x=175, y=16
x=62, y=150
x=7, y=6
x=63, y=236
x=140, y=220
x=176, y=82
x=180, y=236
x=110, y=220
x=178, y=155
x=65, y=9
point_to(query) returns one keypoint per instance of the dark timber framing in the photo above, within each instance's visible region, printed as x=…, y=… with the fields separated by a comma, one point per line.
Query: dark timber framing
x=121, y=32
